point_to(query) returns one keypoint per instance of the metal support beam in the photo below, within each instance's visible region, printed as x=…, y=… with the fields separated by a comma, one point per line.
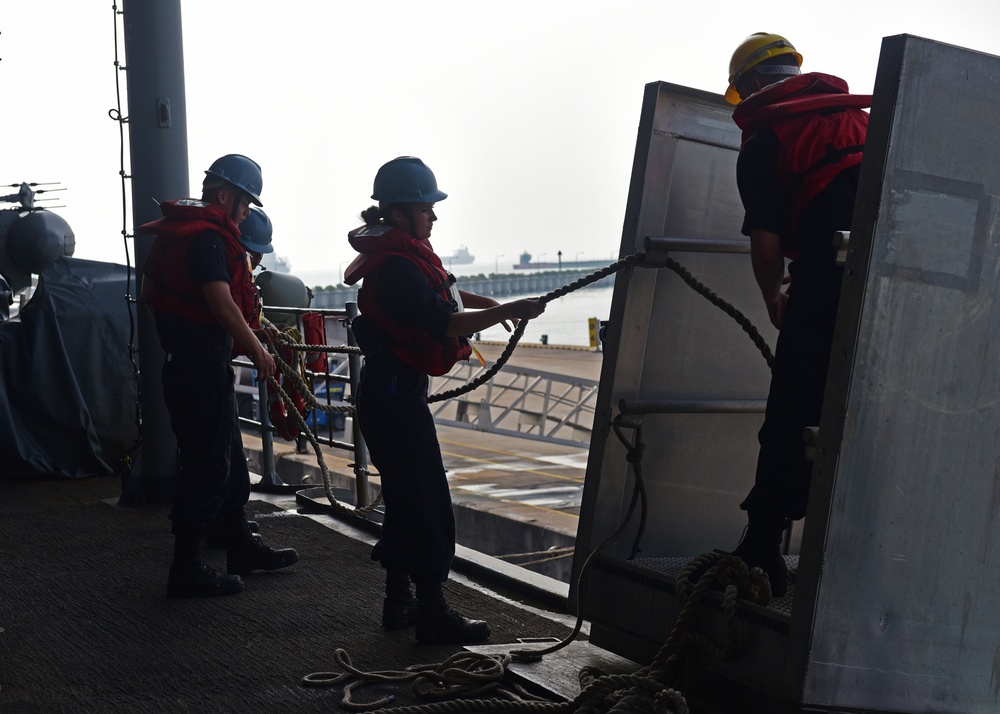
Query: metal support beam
x=157, y=123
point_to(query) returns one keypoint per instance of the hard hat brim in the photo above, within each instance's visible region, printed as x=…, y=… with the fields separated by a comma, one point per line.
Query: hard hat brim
x=258, y=247
x=429, y=198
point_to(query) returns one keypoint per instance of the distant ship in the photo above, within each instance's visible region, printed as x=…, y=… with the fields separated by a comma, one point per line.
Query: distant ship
x=277, y=263
x=462, y=256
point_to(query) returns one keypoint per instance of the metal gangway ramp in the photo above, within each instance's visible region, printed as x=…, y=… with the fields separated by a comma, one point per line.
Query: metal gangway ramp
x=519, y=401
x=893, y=608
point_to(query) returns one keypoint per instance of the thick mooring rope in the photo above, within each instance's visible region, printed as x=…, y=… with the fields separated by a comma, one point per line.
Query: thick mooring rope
x=465, y=674
x=728, y=308
x=548, y=297
x=470, y=675
x=294, y=376
x=481, y=379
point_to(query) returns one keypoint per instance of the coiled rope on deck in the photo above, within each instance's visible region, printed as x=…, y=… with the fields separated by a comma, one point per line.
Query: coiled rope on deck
x=645, y=690
x=465, y=674
x=471, y=674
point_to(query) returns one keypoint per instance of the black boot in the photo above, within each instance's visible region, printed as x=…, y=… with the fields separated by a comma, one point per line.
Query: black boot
x=761, y=548
x=247, y=552
x=439, y=624
x=399, y=609
x=189, y=577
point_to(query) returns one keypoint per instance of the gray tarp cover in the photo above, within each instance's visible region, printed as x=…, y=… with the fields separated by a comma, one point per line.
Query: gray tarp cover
x=67, y=389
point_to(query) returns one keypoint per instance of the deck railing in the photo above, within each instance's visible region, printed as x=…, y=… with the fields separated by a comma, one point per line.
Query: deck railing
x=518, y=401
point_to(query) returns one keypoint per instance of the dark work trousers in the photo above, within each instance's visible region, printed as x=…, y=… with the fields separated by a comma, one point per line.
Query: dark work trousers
x=418, y=532
x=214, y=479
x=795, y=399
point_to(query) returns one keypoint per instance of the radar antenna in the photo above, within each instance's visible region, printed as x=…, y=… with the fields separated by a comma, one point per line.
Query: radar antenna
x=26, y=193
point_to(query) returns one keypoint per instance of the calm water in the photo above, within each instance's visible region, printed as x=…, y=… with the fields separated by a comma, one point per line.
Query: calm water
x=564, y=320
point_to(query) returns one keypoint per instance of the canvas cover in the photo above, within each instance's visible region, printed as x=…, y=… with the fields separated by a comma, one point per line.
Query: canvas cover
x=68, y=392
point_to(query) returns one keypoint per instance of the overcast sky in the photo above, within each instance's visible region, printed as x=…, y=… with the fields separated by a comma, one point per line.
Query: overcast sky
x=526, y=110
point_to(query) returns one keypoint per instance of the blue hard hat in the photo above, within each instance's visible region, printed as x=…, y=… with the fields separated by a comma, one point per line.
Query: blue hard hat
x=406, y=179
x=241, y=172
x=255, y=231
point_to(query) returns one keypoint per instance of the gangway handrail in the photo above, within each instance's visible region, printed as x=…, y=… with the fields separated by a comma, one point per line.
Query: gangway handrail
x=554, y=409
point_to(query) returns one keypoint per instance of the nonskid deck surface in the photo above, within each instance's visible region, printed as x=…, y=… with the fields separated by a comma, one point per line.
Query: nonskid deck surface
x=85, y=623
x=671, y=567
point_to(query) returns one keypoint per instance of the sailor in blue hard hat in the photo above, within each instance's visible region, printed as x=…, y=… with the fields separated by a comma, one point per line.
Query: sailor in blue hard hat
x=412, y=326
x=240, y=172
x=255, y=235
x=197, y=282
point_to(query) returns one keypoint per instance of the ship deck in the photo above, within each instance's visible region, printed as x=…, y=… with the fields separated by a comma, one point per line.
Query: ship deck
x=85, y=623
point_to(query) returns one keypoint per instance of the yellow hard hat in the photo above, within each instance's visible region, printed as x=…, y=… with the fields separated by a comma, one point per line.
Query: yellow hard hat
x=751, y=52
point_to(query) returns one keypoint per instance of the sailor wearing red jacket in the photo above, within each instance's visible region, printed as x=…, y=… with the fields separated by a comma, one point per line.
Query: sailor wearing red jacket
x=413, y=324
x=197, y=282
x=797, y=173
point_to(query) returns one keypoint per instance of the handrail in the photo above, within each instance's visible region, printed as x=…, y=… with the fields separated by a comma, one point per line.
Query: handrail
x=269, y=476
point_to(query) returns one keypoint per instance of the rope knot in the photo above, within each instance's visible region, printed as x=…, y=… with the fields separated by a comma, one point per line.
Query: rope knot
x=634, y=455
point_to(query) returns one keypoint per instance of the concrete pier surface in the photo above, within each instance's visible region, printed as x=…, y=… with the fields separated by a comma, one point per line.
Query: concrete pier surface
x=571, y=360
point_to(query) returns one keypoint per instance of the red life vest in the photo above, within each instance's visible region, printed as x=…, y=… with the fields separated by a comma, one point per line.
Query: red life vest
x=411, y=344
x=171, y=288
x=821, y=131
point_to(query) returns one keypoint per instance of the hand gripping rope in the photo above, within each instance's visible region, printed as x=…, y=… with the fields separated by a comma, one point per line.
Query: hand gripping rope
x=292, y=375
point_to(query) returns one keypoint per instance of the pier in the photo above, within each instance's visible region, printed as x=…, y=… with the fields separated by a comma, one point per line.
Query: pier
x=336, y=296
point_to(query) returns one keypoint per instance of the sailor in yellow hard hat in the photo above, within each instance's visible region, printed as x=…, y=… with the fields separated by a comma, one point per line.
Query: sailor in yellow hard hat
x=797, y=173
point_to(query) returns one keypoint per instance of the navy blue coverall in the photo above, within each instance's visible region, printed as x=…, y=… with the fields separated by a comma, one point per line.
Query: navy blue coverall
x=418, y=532
x=198, y=388
x=802, y=353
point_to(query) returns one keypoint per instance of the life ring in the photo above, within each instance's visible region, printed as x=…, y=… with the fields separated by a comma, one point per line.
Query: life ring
x=286, y=427
x=314, y=333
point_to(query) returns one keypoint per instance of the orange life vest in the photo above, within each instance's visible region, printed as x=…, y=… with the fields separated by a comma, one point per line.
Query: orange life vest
x=821, y=131
x=171, y=288
x=411, y=344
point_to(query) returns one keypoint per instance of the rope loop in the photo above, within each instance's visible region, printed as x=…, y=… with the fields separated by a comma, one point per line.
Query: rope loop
x=716, y=571
x=464, y=674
